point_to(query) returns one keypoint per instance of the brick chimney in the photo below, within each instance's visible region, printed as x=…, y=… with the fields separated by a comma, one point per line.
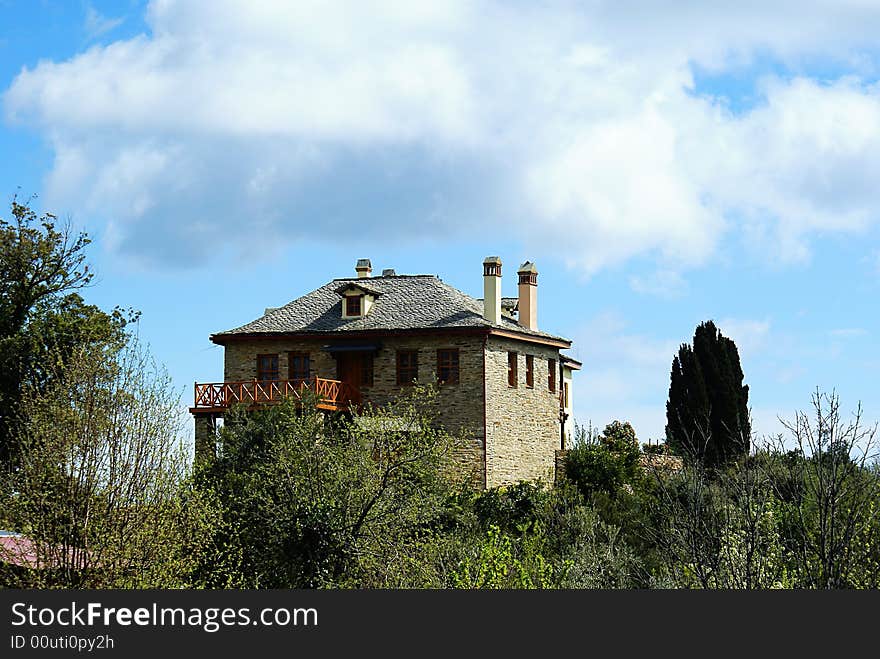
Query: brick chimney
x=492, y=289
x=363, y=268
x=528, y=295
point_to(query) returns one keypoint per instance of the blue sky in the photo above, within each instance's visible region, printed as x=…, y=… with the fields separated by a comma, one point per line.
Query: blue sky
x=662, y=163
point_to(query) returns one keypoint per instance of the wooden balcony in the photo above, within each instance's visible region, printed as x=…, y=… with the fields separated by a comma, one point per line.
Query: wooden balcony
x=217, y=397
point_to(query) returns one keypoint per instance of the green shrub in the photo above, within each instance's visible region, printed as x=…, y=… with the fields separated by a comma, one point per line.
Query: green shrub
x=605, y=462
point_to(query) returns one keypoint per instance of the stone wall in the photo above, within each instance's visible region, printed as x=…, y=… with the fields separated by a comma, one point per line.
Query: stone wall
x=657, y=464
x=240, y=358
x=459, y=406
x=662, y=463
x=205, y=439
x=522, y=423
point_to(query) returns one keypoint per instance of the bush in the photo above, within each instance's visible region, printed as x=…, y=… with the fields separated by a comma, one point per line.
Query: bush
x=512, y=508
x=308, y=503
x=605, y=462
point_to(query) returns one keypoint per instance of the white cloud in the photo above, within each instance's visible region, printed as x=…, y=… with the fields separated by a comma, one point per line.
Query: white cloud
x=569, y=126
x=97, y=24
x=809, y=159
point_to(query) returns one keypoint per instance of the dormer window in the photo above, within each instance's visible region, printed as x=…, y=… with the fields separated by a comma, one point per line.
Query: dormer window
x=353, y=305
x=357, y=299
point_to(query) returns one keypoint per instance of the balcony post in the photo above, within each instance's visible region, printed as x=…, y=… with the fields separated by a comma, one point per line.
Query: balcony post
x=205, y=438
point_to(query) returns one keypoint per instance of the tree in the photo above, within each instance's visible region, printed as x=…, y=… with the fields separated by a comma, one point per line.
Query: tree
x=717, y=530
x=43, y=320
x=101, y=491
x=311, y=501
x=834, y=491
x=707, y=416
x=604, y=462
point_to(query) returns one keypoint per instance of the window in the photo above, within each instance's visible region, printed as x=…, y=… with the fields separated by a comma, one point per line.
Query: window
x=299, y=365
x=353, y=305
x=447, y=366
x=511, y=369
x=530, y=370
x=551, y=375
x=367, y=369
x=267, y=367
x=565, y=396
x=407, y=366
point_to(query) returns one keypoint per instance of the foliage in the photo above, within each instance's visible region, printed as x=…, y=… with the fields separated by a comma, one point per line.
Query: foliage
x=707, y=415
x=496, y=564
x=784, y=518
x=604, y=462
x=309, y=502
x=554, y=541
x=719, y=532
x=833, y=486
x=43, y=321
x=601, y=558
x=512, y=509
x=102, y=489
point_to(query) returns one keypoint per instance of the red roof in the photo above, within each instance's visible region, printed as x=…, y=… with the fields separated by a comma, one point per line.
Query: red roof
x=18, y=550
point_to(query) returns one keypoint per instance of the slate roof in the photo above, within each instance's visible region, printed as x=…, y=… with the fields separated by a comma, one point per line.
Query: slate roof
x=404, y=302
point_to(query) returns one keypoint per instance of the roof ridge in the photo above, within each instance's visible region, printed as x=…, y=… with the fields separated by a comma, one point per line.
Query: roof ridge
x=384, y=277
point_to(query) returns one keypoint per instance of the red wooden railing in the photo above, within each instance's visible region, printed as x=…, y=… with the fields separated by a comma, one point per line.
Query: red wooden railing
x=330, y=394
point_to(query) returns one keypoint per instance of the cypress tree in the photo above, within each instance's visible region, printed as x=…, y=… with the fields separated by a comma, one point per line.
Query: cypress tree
x=707, y=416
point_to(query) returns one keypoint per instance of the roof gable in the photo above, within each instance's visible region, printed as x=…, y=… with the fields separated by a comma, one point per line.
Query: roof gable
x=357, y=286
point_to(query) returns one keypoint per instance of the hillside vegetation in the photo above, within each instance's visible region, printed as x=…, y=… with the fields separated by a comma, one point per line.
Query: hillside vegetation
x=94, y=482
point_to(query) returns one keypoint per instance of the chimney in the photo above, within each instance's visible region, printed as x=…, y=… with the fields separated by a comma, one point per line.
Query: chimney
x=363, y=268
x=388, y=272
x=492, y=289
x=528, y=295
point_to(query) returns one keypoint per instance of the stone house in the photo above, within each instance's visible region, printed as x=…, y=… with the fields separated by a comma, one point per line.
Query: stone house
x=366, y=339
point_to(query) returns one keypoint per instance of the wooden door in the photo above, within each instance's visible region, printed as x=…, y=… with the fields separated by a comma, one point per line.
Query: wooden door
x=348, y=370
